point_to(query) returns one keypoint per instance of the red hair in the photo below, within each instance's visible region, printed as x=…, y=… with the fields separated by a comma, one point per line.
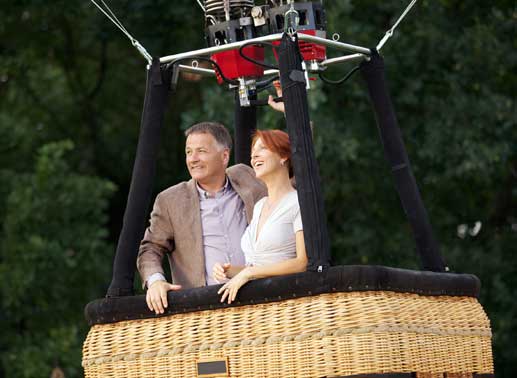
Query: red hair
x=276, y=141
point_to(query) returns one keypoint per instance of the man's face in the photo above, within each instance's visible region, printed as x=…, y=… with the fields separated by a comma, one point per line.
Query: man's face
x=206, y=159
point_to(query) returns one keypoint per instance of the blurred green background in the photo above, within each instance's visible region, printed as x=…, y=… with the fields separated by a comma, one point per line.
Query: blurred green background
x=71, y=95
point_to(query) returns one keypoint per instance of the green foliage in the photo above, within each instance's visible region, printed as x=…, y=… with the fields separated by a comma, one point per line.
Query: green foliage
x=54, y=258
x=71, y=75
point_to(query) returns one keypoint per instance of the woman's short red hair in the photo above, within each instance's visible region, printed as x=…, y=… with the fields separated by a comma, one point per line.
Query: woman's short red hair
x=276, y=141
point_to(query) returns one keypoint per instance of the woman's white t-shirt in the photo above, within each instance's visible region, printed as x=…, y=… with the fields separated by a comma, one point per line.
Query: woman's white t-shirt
x=276, y=241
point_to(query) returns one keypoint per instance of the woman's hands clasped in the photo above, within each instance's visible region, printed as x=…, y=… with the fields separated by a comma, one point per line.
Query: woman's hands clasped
x=230, y=288
x=237, y=276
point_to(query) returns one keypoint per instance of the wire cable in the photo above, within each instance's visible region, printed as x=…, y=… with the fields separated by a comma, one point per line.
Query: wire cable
x=390, y=32
x=262, y=64
x=108, y=13
x=111, y=16
x=340, y=81
x=403, y=14
x=114, y=17
x=265, y=84
x=201, y=5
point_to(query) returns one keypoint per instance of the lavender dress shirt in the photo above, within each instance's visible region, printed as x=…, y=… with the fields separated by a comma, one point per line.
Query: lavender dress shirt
x=223, y=221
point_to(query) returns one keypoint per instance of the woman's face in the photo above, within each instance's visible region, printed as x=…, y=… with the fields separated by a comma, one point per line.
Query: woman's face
x=264, y=161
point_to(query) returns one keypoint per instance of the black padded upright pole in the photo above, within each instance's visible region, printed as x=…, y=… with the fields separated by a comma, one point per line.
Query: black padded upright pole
x=306, y=171
x=245, y=120
x=140, y=190
x=428, y=250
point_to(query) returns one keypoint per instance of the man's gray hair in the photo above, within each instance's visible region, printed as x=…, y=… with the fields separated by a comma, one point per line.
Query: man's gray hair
x=217, y=130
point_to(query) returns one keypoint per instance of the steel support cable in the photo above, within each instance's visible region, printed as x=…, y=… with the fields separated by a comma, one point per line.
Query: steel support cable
x=201, y=5
x=390, y=32
x=381, y=43
x=111, y=16
x=115, y=18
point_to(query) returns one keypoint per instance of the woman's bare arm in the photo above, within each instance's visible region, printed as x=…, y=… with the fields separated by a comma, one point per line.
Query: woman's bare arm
x=298, y=264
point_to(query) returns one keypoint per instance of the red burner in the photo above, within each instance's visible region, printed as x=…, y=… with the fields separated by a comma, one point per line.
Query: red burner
x=309, y=50
x=233, y=65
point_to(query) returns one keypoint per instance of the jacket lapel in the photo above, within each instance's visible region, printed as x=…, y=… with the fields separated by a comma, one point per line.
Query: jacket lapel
x=197, y=233
x=243, y=192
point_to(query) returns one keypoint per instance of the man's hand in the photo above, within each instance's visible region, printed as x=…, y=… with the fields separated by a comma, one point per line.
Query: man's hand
x=278, y=106
x=230, y=289
x=156, y=297
x=219, y=271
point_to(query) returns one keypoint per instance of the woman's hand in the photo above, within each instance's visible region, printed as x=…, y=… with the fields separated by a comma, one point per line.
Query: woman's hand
x=278, y=106
x=219, y=271
x=230, y=289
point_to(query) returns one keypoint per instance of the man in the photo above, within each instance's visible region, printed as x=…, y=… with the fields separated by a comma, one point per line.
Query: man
x=200, y=222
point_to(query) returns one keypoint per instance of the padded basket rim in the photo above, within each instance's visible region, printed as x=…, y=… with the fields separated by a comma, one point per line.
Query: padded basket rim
x=346, y=278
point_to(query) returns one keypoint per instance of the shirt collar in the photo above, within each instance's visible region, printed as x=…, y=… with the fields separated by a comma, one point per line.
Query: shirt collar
x=203, y=194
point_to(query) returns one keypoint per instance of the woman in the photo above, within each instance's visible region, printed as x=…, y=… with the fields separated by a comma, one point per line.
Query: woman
x=273, y=242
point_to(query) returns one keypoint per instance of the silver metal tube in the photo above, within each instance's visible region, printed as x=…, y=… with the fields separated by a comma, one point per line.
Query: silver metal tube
x=270, y=72
x=210, y=72
x=216, y=49
x=341, y=59
x=197, y=70
x=325, y=63
x=335, y=44
x=268, y=38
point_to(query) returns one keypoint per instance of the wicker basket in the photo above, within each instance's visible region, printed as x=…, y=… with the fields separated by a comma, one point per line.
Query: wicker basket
x=326, y=335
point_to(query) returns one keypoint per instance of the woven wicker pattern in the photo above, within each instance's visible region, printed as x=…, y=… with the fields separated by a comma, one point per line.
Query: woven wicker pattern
x=446, y=375
x=334, y=334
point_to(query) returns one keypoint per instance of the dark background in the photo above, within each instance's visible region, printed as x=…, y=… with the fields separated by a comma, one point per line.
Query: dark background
x=71, y=95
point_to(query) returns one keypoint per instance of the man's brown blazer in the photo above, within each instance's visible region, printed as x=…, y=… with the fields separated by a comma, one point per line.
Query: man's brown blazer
x=175, y=228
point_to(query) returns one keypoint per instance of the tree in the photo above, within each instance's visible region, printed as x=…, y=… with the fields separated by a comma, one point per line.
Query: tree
x=54, y=257
x=71, y=75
